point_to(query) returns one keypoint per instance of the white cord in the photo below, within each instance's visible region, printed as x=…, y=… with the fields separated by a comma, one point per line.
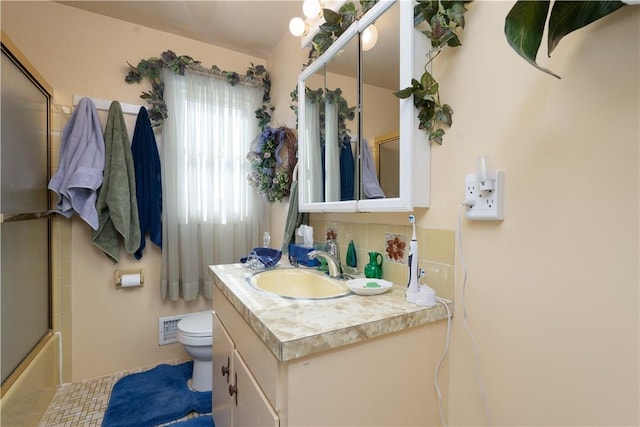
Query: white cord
x=444, y=354
x=464, y=318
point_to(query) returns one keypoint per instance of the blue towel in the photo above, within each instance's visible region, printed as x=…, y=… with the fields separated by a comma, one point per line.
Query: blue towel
x=267, y=256
x=201, y=421
x=347, y=170
x=154, y=397
x=146, y=162
x=79, y=173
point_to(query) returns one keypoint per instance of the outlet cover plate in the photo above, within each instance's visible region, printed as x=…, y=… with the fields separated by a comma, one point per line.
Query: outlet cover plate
x=489, y=205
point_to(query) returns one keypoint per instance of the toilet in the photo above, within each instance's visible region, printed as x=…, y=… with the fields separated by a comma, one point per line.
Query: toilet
x=195, y=334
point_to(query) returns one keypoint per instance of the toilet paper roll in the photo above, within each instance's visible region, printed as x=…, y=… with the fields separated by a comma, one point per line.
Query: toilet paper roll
x=129, y=280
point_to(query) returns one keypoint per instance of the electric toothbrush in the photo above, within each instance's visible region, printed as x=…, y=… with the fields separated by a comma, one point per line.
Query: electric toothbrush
x=413, y=287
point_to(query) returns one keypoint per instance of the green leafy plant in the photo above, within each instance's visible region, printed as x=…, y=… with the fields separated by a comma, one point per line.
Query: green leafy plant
x=431, y=112
x=319, y=96
x=151, y=69
x=526, y=21
x=442, y=23
x=335, y=24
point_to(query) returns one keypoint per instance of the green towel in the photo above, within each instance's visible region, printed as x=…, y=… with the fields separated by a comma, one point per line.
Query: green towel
x=117, y=205
x=294, y=218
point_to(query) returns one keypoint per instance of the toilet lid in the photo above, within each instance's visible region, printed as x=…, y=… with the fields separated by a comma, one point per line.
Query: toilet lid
x=197, y=325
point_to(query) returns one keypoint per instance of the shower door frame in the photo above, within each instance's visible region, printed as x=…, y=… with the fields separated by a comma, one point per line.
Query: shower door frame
x=22, y=63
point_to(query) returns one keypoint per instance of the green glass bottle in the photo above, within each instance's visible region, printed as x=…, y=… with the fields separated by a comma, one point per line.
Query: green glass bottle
x=352, y=260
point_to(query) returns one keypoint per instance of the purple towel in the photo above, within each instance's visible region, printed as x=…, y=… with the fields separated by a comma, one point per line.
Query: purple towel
x=79, y=173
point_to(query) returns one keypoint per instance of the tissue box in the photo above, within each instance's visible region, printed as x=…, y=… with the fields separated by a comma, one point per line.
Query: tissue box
x=299, y=254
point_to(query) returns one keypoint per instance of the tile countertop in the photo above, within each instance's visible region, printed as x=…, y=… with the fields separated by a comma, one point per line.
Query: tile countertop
x=293, y=328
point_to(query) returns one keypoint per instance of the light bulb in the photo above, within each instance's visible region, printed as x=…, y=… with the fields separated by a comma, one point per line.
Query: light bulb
x=311, y=8
x=297, y=27
x=369, y=37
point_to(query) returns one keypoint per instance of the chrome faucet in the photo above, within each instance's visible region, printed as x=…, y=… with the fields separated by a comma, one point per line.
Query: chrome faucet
x=334, y=249
x=332, y=262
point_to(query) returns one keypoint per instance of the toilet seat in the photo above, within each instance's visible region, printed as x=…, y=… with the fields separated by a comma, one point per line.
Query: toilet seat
x=196, y=329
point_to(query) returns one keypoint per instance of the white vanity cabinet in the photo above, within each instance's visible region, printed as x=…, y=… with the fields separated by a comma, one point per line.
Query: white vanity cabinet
x=381, y=381
x=238, y=399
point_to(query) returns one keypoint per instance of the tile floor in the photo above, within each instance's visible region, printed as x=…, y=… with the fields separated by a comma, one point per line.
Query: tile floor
x=83, y=403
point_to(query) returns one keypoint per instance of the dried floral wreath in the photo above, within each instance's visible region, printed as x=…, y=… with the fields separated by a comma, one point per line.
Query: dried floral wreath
x=273, y=158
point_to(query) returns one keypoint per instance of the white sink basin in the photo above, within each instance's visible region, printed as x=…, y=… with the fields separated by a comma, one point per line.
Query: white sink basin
x=298, y=283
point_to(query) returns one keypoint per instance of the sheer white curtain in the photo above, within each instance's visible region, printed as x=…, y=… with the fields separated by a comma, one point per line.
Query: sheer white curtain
x=313, y=164
x=210, y=214
x=331, y=152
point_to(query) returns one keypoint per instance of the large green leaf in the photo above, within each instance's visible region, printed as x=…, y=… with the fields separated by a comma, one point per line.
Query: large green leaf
x=404, y=93
x=456, y=13
x=523, y=28
x=331, y=17
x=424, y=11
x=568, y=16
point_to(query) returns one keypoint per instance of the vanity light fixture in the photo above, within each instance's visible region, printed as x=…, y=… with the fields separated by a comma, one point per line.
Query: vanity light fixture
x=311, y=8
x=313, y=17
x=369, y=37
x=298, y=27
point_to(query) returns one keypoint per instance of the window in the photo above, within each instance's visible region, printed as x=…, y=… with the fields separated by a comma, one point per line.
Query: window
x=210, y=212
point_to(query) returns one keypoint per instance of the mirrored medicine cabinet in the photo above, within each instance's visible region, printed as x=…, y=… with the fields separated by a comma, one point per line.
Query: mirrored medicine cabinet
x=360, y=149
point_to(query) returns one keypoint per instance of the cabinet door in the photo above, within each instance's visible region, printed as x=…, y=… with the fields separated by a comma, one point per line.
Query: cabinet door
x=367, y=80
x=252, y=407
x=222, y=371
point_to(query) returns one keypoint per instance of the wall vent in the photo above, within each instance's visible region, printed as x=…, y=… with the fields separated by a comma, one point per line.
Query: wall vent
x=168, y=329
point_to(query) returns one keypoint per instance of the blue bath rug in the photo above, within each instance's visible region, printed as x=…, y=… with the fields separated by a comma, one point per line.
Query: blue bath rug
x=201, y=421
x=153, y=397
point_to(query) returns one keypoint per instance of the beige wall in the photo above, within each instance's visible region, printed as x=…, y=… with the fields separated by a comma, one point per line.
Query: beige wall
x=552, y=292
x=86, y=54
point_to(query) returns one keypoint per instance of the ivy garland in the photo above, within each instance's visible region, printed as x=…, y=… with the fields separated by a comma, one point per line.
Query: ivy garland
x=444, y=21
x=319, y=96
x=152, y=69
x=271, y=177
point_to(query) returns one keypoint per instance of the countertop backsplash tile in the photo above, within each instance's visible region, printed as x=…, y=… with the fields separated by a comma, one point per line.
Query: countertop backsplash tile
x=436, y=251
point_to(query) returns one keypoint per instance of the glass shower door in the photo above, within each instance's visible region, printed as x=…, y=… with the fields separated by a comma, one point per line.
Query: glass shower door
x=25, y=312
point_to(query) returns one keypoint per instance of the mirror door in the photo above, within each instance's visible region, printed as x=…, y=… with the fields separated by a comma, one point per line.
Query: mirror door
x=380, y=112
x=358, y=82
x=328, y=129
x=385, y=71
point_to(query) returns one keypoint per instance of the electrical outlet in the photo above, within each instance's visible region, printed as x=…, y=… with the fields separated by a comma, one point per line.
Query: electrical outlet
x=488, y=204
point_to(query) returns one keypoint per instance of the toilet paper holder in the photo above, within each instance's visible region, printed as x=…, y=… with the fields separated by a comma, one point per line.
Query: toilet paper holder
x=120, y=273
